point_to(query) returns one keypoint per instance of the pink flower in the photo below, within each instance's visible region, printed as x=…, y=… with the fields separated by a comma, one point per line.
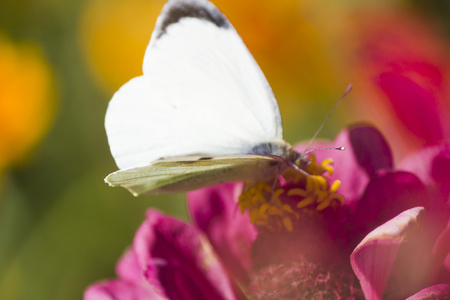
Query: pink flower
x=169, y=259
x=383, y=233
x=402, y=71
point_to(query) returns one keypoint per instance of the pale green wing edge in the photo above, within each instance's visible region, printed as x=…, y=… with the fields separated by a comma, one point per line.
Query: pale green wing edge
x=182, y=174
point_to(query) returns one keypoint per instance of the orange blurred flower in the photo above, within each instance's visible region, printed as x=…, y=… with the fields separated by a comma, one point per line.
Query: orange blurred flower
x=26, y=100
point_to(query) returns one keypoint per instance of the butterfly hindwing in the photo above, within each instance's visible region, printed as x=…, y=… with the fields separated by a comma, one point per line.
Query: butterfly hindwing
x=182, y=174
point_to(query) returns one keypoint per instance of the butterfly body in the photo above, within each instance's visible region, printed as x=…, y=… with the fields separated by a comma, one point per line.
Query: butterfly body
x=202, y=112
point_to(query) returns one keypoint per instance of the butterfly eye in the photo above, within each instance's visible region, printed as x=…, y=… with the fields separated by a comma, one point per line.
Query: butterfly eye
x=303, y=161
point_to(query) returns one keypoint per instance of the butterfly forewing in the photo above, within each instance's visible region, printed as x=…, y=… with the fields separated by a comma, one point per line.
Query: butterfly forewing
x=201, y=92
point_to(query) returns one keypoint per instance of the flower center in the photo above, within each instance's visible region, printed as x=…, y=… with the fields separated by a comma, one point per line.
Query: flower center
x=304, y=280
x=277, y=203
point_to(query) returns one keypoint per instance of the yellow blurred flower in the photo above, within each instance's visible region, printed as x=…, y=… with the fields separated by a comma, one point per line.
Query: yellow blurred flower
x=114, y=35
x=26, y=100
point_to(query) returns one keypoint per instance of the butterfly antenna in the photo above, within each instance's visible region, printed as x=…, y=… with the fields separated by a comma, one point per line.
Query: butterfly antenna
x=320, y=149
x=349, y=88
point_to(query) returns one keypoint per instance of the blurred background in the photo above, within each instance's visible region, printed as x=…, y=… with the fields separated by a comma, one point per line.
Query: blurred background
x=62, y=227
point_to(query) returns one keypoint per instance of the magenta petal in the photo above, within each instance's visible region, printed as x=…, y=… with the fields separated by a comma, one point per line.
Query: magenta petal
x=387, y=195
x=370, y=149
x=432, y=165
x=416, y=107
x=214, y=211
x=440, y=167
x=178, y=256
x=441, y=248
x=435, y=292
x=120, y=290
x=373, y=259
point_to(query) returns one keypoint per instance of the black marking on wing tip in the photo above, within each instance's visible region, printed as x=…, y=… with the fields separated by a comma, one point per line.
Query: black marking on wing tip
x=178, y=10
x=205, y=158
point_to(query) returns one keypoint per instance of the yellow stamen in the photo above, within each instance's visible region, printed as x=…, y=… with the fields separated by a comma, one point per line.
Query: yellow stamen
x=305, y=202
x=263, y=208
x=326, y=165
x=288, y=209
x=276, y=194
x=320, y=181
x=321, y=195
x=336, y=184
x=324, y=204
x=253, y=216
x=276, y=209
x=287, y=222
x=297, y=192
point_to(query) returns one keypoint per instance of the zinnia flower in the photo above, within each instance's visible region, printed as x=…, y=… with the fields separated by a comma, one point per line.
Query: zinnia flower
x=402, y=71
x=383, y=233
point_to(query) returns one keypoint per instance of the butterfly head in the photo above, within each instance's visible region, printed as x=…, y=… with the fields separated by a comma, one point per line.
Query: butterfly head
x=301, y=160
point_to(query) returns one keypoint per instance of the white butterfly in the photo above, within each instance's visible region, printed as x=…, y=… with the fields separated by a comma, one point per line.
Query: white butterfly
x=202, y=112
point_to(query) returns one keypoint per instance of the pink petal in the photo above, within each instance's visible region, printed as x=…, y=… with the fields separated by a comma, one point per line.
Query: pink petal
x=373, y=258
x=128, y=267
x=214, y=211
x=415, y=106
x=120, y=290
x=179, y=257
x=435, y=292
